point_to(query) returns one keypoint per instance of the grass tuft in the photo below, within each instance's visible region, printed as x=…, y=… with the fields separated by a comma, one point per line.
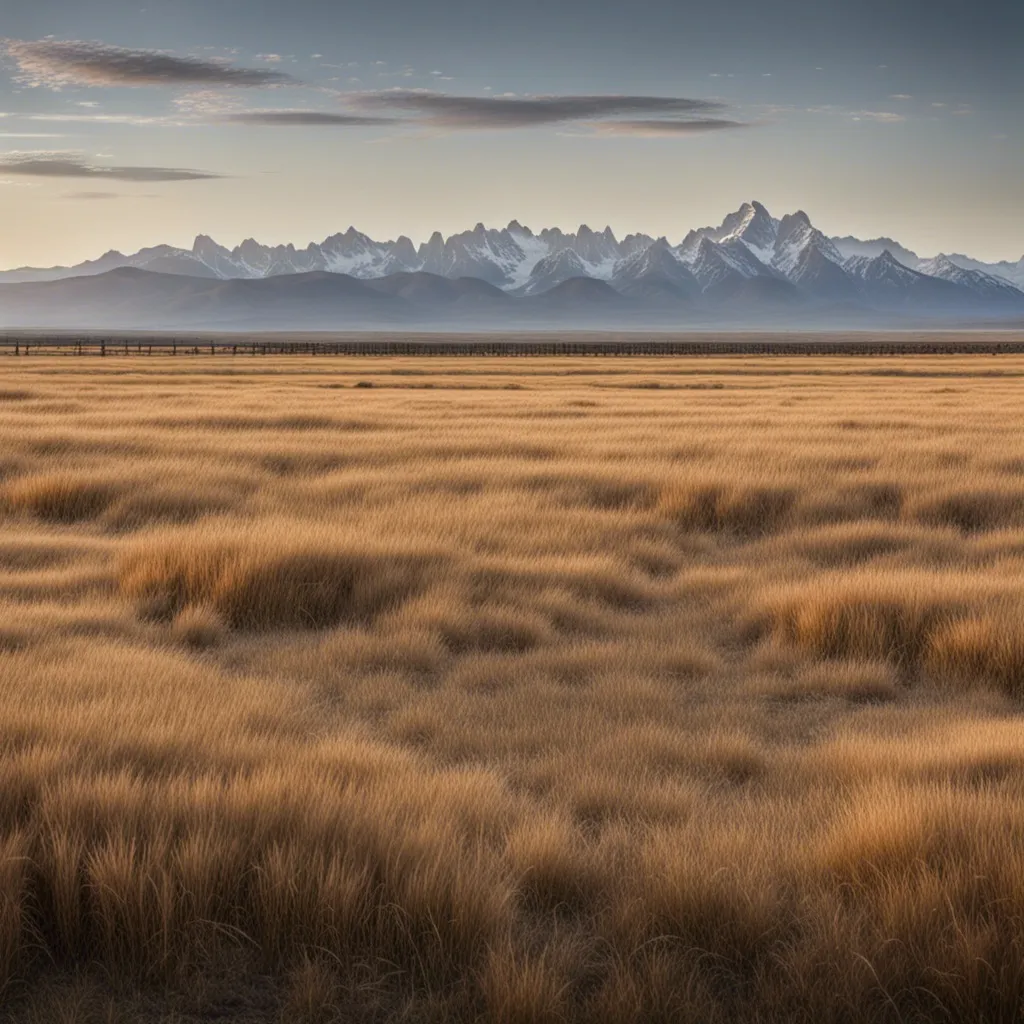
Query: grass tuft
x=60, y=497
x=258, y=584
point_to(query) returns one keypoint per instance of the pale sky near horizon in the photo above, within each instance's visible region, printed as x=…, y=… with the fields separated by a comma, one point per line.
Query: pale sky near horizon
x=126, y=123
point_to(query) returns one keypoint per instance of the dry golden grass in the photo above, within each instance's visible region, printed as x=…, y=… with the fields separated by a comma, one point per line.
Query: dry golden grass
x=516, y=691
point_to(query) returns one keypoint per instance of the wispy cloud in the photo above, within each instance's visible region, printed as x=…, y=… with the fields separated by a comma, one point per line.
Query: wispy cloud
x=439, y=110
x=75, y=165
x=52, y=64
x=880, y=116
x=142, y=120
x=91, y=196
x=652, y=128
x=305, y=119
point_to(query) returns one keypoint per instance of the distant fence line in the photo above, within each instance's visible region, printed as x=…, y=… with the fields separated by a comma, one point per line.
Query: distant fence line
x=28, y=346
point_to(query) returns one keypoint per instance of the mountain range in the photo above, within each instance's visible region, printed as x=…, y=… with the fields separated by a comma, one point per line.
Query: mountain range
x=749, y=267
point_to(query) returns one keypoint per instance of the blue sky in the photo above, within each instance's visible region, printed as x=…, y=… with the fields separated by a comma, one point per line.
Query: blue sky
x=131, y=123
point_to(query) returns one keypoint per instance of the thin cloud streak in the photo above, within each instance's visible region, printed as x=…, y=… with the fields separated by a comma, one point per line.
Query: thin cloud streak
x=440, y=110
x=306, y=119
x=880, y=116
x=73, y=165
x=53, y=64
x=652, y=128
x=140, y=120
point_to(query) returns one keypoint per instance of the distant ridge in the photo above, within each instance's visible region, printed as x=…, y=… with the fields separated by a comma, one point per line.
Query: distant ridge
x=752, y=264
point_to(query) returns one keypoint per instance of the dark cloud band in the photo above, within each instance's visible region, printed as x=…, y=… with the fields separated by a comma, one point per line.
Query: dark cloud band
x=53, y=63
x=306, y=119
x=653, y=127
x=69, y=165
x=483, y=112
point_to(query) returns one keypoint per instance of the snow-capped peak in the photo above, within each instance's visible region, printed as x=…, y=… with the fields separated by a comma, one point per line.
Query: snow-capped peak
x=748, y=243
x=795, y=235
x=754, y=226
x=977, y=280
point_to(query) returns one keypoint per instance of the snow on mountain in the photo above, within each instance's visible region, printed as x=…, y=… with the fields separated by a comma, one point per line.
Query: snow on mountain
x=754, y=226
x=534, y=249
x=987, y=285
x=689, y=247
x=749, y=245
x=634, y=243
x=820, y=276
x=489, y=254
x=794, y=235
x=714, y=262
x=553, y=270
x=654, y=271
x=1005, y=269
x=598, y=251
x=849, y=246
x=887, y=282
x=359, y=255
x=883, y=269
x=751, y=224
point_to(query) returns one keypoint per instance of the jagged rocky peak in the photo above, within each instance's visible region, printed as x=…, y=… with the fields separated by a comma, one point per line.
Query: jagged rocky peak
x=795, y=235
x=749, y=242
x=404, y=249
x=793, y=223
x=753, y=225
x=690, y=245
x=883, y=269
x=433, y=246
x=941, y=264
x=633, y=243
x=251, y=248
x=205, y=244
x=554, y=238
x=352, y=237
x=658, y=259
x=595, y=247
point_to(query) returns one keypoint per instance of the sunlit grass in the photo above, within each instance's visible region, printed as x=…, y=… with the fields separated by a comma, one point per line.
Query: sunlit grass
x=512, y=690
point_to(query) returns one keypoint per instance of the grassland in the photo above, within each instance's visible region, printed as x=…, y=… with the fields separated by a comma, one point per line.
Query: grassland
x=511, y=690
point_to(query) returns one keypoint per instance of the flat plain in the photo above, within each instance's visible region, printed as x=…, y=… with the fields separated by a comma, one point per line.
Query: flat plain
x=516, y=690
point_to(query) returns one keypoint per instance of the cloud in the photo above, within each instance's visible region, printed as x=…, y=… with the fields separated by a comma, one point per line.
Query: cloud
x=53, y=63
x=207, y=102
x=440, y=110
x=128, y=119
x=881, y=116
x=104, y=196
x=306, y=119
x=74, y=165
x=652, y=128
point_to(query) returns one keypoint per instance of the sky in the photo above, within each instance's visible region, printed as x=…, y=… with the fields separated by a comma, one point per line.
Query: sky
x=126, y=123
